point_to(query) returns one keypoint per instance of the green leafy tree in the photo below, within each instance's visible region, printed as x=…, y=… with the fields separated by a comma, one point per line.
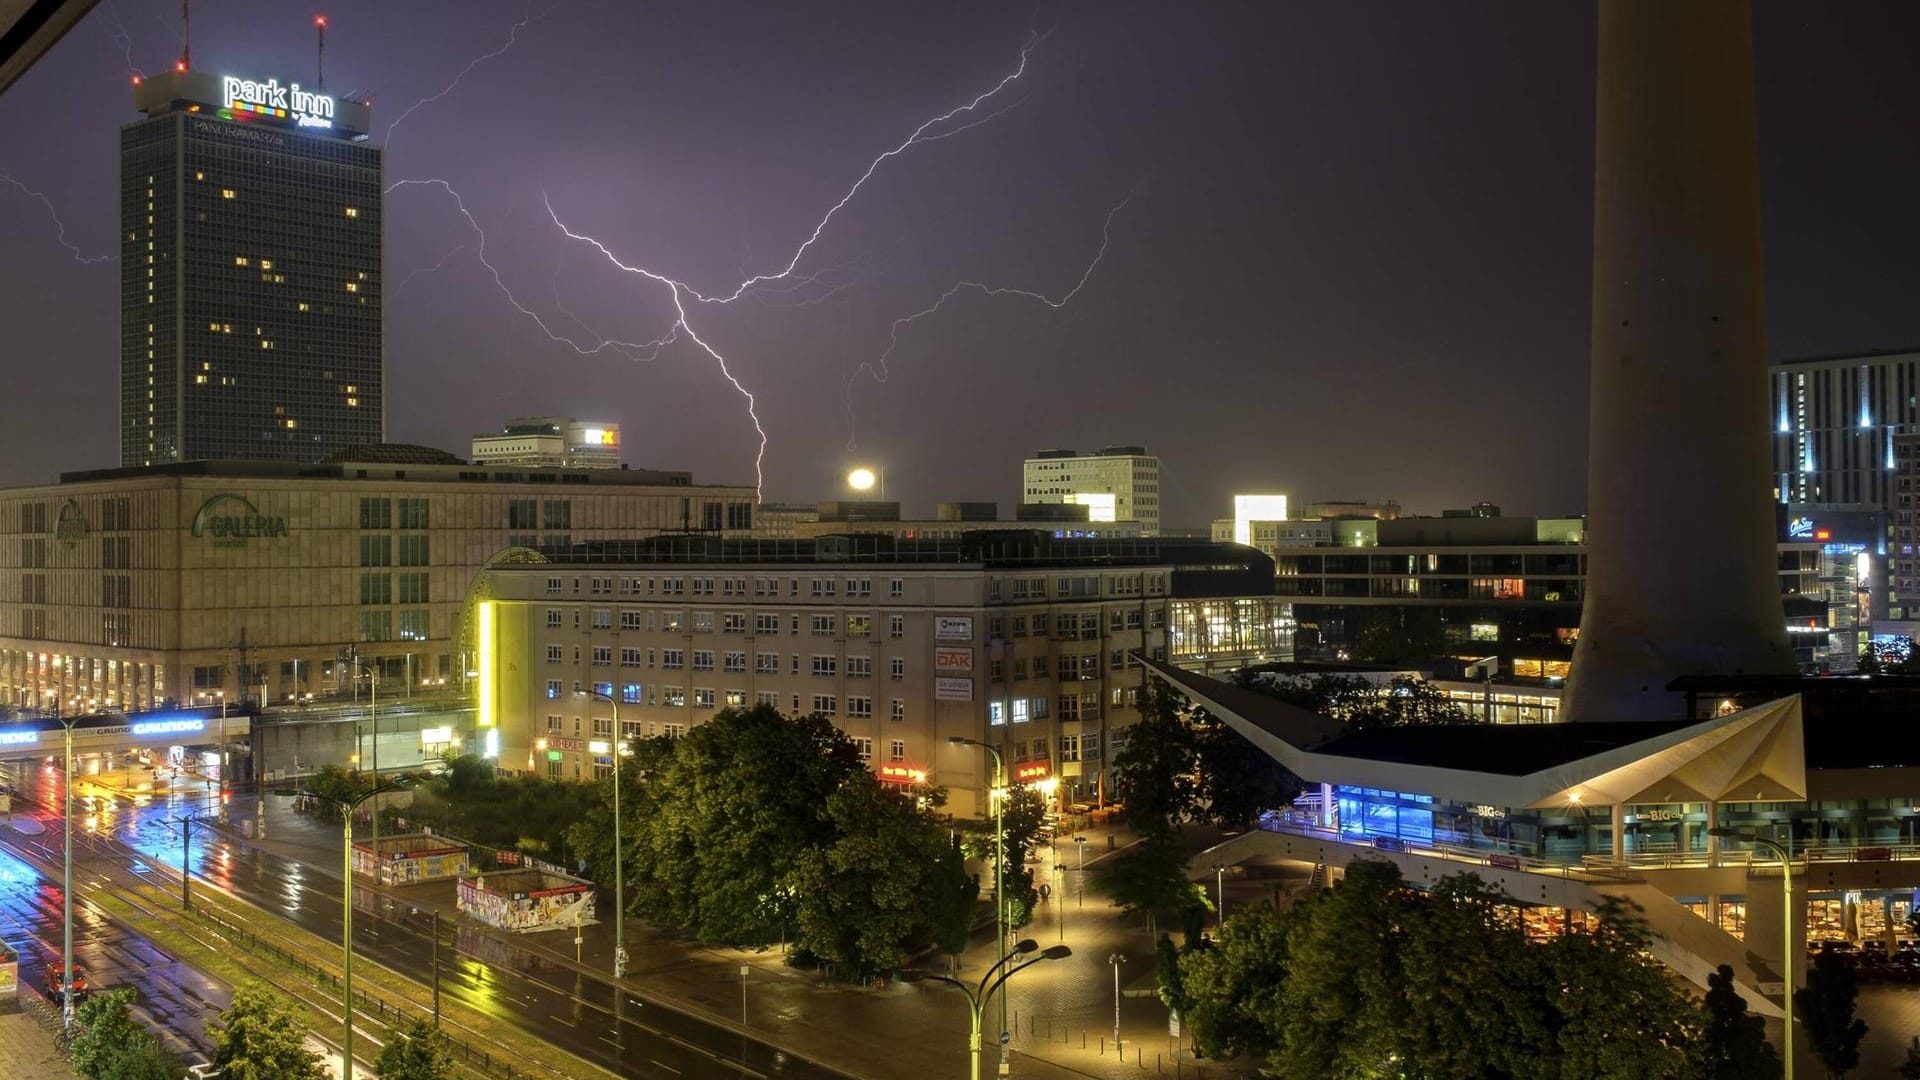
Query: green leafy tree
x=1025, y=813
x=1404, y=702
x=1824, y=1008
x=419, y=1051
x=1471, y=982
x=1343, y=1011
x=1166, y=976
x=1237, y=780
x=111, y=1044
x=258, y=1037
x=731, y=810
x=953, y=900
x=866, y=899
x=527, y=814
x=590, y=839
x=1733, y=1042
x=1614, y=1013
x=1151, y=879
x=1233, y=990
x=1154, y=774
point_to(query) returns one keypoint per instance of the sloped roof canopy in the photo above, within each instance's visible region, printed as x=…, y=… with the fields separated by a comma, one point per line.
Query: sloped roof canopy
x=1756, y=754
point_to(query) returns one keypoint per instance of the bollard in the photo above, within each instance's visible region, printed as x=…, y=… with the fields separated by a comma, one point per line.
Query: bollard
x=1103, y=1046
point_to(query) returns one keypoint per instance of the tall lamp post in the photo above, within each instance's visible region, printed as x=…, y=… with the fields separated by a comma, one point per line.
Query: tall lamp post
x=1786, y=928
x=977, y=995
x=225, y=757
x=1116, y=960
x=619, y=877
x=347, y=807
x=999, y=855
x=351, y=657
x=66, y=879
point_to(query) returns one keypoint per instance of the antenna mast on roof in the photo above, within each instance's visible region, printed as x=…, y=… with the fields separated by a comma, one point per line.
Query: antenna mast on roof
x=320, y=29
x=186, y=35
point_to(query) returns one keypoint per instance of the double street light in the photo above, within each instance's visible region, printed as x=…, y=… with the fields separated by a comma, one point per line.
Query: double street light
x=999, y=863
x=347, y=805
x=977, y=996
x=1786, y=927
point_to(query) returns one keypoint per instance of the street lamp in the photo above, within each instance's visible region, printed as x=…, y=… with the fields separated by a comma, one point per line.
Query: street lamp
x=977, y=996
x=1116, y=960
x=1786, y=927
x=66, y=879
x=619, y=880
x=1220, y=895
x=187, y=822
x=347, y=806
x=225, y=757
x=999, y=853
x=351, y=657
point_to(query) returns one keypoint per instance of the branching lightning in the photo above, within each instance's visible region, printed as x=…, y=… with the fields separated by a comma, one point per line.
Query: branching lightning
x=785, y=281
x=430, y=269
x=513, y=35
x=877, y=368
x=78, y=255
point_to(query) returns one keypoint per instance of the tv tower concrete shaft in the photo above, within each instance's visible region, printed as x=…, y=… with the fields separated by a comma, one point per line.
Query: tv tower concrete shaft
x=1682, y=575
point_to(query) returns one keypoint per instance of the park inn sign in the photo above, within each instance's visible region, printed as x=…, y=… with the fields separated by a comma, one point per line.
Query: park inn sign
x=232, y=521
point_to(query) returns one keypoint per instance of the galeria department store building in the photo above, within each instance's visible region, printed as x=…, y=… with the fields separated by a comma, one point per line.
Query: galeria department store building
x=125, y=589
x=1564, y=815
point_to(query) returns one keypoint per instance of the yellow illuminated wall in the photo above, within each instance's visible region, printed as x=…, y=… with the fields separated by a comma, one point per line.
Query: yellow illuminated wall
x=489, y=685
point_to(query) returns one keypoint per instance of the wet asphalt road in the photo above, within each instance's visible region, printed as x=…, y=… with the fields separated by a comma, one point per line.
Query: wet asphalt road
x=582, y=1014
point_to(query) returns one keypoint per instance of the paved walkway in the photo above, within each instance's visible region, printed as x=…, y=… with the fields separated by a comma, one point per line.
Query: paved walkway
x=26, y=1048
x=1060, y=1014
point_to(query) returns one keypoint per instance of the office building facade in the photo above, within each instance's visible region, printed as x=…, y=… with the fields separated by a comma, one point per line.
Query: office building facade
x=1020, y=640
x=132, y=588
x=552, y=442
x=250, y=273
x=1835, y=422
x=1115, y=483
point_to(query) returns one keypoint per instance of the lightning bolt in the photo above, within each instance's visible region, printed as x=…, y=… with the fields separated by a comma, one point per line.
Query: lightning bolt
x=78, y=255
x=877, y=368
x=513, y=35
x=679, y=292
x=430, y=269
x=632, y=350
x=123, y=38
x=919, y=136
x=786, y=280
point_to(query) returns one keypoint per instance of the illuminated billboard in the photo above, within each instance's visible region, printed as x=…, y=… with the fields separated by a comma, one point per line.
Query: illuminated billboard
x=1099, y=504
x=1248, y=509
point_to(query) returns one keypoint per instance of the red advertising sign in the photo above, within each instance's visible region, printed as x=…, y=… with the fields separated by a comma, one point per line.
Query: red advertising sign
x=1027, y=774
x=1505, y=862
x=902, y=774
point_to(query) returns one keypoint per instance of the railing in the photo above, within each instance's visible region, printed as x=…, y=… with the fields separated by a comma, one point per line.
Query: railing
x=1755, y=858
x=1297, y=824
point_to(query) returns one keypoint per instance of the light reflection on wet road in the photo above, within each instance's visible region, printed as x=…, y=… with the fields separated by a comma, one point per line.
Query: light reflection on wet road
x=550, y=1001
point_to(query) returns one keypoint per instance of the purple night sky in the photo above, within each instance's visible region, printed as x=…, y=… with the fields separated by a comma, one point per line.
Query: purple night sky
x=1354, y=263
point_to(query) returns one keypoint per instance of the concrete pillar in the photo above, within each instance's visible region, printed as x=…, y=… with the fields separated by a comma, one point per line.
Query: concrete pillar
x=1679, y=432
x=1619, y=815
x=1713, y=842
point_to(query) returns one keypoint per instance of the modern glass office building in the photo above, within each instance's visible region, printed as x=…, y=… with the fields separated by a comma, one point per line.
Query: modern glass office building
x=250, y=273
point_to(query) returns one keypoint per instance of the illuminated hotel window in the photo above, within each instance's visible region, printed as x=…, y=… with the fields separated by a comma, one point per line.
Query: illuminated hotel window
x=226, y=193
x=351, y=287
x=199, y=176
x=353, y=211
x=239, y=260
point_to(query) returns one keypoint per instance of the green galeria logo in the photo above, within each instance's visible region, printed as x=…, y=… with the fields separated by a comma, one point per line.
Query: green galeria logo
x=232, y=521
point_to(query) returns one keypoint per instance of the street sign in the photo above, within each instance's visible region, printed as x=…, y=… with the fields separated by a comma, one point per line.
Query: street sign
x=1005, y=1038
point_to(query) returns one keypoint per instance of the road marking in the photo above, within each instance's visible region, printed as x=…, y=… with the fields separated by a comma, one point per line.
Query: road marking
x=665, y=1066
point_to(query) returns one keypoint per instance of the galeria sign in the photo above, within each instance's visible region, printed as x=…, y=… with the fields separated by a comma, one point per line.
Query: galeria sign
x=272, y=99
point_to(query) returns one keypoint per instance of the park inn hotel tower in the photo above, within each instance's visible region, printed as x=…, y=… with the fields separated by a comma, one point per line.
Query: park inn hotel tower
x=250, y=289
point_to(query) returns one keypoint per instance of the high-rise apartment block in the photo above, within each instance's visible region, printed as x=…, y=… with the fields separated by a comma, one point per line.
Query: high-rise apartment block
x=250, y=288
x=1115, y=483
x=554, y=442
x=1834, y=423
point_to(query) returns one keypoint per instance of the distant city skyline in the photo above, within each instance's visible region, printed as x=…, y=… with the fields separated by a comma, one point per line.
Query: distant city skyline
x=1353, y=260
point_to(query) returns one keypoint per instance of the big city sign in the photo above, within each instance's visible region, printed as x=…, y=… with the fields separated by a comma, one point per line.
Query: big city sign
x=281, y=102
